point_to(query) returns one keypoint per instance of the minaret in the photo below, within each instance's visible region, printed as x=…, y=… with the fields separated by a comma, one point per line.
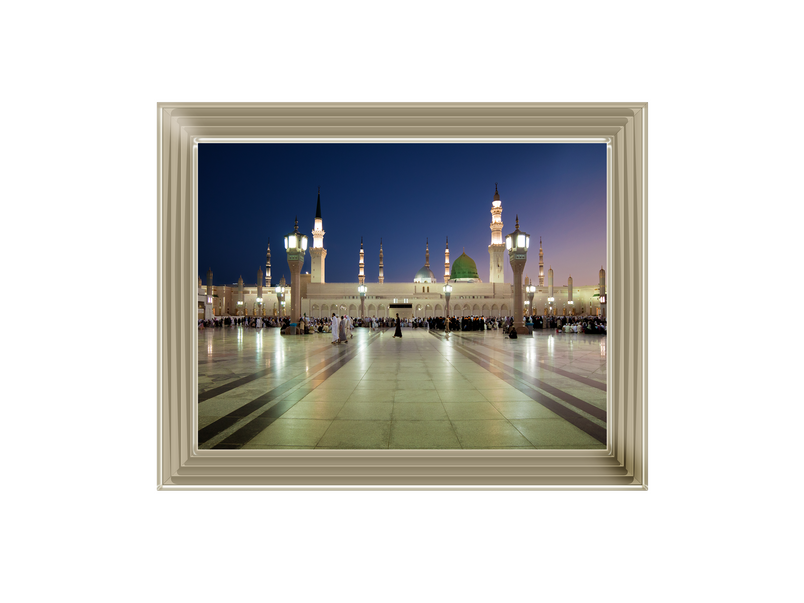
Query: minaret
x=446, y=263
x=427, y=253
x=209, y=282
x=381, y=275
x=541, y=264
x=550, y=282
x=317, y=252
x=268, y=266
x=361, y=277
x=497, y=247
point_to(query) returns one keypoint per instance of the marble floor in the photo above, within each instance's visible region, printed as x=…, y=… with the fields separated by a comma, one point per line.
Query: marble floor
x=258, y=389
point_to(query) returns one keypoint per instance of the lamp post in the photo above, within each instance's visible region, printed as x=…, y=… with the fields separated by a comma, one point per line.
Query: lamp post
x=258, y=307
x=447, y=291
x=517, y=244
x=361, y=289
x=280, y=297
x=531, y=289
x=296, y=248
x=240, y=304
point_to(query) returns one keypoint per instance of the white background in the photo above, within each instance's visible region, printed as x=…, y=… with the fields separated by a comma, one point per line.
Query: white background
x=722, y=518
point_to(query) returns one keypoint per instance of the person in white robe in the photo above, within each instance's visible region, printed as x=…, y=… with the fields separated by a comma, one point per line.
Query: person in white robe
x=342, y=330
x=335, y=324
x=349, y=326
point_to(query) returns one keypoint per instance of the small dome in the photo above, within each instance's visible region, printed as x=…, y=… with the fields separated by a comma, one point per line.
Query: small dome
x=464, y=268
x=425, y=275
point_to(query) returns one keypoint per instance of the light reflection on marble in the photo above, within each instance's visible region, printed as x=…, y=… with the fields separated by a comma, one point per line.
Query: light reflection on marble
x=472, y=407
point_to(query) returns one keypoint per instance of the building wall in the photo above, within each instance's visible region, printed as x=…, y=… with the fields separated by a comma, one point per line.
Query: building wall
x=487, y=299
x=320, y=300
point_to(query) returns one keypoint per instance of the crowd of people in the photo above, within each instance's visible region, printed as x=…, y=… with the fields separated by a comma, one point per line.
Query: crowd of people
x=335, y=324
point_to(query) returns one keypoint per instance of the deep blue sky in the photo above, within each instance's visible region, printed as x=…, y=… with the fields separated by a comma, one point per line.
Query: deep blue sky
x=404, y=193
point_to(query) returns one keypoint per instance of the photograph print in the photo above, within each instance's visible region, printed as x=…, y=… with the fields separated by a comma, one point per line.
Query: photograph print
x=402, y=296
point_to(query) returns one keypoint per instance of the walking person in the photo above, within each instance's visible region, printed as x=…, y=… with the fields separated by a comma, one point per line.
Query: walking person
x=398, y=331
x=334, y=329
x=342, y=330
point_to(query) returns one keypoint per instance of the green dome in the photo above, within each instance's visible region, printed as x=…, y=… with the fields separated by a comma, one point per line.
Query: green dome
x=463, y=267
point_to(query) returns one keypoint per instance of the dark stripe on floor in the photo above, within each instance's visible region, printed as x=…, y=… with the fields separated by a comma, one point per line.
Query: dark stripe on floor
x=211, y=393
x=558, y=371
x=243, y=435
x=591, y=409
x=582, y=423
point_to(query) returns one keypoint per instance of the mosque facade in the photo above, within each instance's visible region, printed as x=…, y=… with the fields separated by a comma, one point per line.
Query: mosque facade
x=422, y=297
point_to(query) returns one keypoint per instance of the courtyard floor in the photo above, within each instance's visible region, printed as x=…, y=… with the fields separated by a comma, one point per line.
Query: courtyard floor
x=258, y=389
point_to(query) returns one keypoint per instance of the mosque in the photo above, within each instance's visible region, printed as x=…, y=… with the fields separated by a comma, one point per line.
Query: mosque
x=422, y=297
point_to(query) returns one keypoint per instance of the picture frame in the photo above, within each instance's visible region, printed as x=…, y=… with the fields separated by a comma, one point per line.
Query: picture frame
x=181, y=465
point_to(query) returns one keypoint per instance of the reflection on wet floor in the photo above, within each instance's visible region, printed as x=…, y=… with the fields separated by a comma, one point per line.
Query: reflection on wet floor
x=260, y=390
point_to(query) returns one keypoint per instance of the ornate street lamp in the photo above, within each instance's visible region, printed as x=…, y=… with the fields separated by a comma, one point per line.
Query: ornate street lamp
x=240, y=304
x=447, y=291
x=361, y=289
x=296, y=248
x=517, y=244
x=280, y=297
x=258, y=309
x=531, y=289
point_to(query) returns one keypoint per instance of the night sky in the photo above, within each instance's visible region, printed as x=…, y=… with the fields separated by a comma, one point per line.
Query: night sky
x=404, y=194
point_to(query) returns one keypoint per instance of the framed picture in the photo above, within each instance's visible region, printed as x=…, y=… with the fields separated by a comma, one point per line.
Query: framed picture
x=617, y=459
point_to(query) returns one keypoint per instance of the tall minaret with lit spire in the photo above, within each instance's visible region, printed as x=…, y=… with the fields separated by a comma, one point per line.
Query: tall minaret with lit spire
x=268, y=266
x=318, y=253
x=361, y=277
x=541, y=264
x=382, y=278
x=497, y=247
x=446, y=263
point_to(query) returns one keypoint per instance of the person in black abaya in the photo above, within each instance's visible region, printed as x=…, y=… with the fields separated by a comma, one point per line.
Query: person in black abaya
x=398, y=332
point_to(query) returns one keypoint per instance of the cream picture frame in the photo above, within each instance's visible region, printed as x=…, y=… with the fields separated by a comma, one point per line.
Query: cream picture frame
x=181, y=465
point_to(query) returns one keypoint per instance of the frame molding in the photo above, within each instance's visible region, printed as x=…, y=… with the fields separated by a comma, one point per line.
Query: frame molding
x=182, y=466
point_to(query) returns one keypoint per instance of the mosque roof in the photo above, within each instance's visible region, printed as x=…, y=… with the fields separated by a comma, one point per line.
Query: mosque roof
x=425, y=275
x=463, y=267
